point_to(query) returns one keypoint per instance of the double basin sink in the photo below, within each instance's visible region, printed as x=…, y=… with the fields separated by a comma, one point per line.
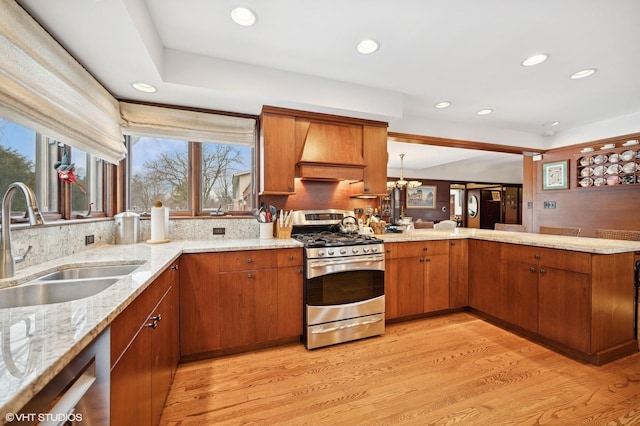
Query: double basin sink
x=64, y=285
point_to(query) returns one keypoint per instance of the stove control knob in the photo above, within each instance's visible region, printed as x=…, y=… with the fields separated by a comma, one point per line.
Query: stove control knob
x=374, y=249
x=320, y=252
x=331, y=252
x=343, y=251
x=355, y=250
x=365, y=249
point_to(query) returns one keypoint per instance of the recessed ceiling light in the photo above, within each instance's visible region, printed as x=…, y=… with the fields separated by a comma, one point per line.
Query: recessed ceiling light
x=144, y=87
x=441, y=105
x=484, y=111
x=367, y=46
x=584, y=73
x=551, y=123
x=243, y=16
x=534, y=60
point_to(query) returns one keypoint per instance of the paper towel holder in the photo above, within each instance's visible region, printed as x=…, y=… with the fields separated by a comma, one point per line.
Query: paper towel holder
x=159, y=224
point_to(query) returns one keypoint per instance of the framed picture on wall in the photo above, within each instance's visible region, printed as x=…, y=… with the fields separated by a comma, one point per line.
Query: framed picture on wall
x=555, y=175
x=422, y=197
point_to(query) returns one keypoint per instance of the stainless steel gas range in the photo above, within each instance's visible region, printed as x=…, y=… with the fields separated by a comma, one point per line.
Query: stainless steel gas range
x=343, y=280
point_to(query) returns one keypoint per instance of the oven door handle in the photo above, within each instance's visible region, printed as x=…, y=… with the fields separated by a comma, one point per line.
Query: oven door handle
x=349, y=261
x=342, y=327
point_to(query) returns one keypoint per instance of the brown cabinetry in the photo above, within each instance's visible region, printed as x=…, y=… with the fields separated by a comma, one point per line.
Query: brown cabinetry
x=277, y=154
x=321, y=147
x=418, y=278
x=240, y=298
x=580, y=303
x=144, y=352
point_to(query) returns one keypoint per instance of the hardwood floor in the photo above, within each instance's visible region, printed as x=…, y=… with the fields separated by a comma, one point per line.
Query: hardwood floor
x=455, y=369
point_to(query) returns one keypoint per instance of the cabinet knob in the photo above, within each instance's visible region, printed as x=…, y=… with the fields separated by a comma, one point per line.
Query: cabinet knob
x=250, y=276
x=422, y=259
x=425, y=248
x=249, y=260
x=290, y=257
x=543, y=271
x=299, y=270
x=427, y=259
x=388, y=250
x=157, y=318
x=532, y=269
x=537, y=256
x=174, y=267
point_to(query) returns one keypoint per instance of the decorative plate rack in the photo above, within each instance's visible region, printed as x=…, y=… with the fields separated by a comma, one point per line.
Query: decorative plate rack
x=609, y=166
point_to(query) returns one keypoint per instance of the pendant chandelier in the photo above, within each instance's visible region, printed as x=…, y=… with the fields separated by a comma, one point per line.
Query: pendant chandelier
x=401, y=183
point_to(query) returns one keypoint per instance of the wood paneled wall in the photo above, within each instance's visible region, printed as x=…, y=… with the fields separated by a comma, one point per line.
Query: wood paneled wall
x=615, y=207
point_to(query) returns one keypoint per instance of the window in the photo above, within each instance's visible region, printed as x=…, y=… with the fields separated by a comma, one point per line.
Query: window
x=162, y=169
x=29, y=157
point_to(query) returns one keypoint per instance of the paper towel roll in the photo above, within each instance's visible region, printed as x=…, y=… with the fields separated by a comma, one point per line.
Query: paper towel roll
x=158, y=223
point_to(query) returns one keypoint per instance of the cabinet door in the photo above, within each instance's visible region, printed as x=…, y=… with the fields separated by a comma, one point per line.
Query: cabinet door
x=485, y=286
x=249, y=311
x=277, y=154
x=564, y=304
x=163, y=348
x=391, y=281
x=375, y=157
x=131, y=383
x=520, y=305
x=458, y=273
x=199, y=303
x=409, y=286
x=436, y=282
x=290, y=302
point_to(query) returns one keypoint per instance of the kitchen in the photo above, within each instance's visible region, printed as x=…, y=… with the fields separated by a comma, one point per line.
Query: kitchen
x=621, y=131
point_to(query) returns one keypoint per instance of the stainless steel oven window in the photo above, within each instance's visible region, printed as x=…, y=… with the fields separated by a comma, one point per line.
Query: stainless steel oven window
x=344, y=287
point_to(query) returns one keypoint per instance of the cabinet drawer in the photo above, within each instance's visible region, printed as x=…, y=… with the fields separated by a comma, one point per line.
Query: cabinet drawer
x=391, y=250
x=551, y=258
x=422, y=248
x=250, y=259
x=289, y=257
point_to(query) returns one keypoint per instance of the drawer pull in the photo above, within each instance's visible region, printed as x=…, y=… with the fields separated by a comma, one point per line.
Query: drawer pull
x=543, y=271
x=290, y=257
x=249, y=260
x=249, y=275
x=532, y=269
x=537, y=256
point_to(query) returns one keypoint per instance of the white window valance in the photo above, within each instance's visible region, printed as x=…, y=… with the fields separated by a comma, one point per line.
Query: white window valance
x=194, y=126
x=44, y=88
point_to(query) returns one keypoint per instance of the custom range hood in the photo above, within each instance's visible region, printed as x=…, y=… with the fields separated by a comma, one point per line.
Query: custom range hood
x=329, y=151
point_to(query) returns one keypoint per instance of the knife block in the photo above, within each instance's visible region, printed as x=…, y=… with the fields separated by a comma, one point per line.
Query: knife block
x=282, y=232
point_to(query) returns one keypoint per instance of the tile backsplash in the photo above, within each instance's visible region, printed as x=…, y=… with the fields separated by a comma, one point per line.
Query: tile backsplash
x=55, y=240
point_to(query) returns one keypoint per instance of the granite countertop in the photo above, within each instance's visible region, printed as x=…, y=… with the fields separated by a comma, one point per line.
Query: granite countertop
x=44, y=339
x=582, y=244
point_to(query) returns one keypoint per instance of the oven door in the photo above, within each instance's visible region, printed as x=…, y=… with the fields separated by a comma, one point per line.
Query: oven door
x=344, y=281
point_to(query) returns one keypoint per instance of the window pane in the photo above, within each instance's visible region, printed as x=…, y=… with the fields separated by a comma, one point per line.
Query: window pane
x=226, y=177
x=89, y=172
x=159, y=172
x=28, y=157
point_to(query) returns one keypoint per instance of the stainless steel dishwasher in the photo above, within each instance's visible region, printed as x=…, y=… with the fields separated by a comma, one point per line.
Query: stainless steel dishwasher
x=79, y=394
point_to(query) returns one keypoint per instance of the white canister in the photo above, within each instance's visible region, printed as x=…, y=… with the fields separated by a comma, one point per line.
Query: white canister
x=266, y=230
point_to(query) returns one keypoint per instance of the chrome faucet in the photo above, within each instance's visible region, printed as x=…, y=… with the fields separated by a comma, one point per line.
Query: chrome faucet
x=8, y=261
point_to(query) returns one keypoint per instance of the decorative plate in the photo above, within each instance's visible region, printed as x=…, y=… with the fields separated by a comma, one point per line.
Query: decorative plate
x=584, y=182
x=614, y=169
x=599, y=181
x=613, y=180
x=627, y=179
x=585, y=161
x=614, y=158
x=627, y=155
x=587, y=171
x=629, y=168
x=599, y=159
x=598, y=171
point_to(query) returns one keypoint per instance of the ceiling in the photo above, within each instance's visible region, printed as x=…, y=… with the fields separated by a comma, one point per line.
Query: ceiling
x=301, y=54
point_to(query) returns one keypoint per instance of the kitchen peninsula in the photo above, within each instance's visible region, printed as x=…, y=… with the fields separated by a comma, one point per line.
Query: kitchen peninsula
x=65, y=329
